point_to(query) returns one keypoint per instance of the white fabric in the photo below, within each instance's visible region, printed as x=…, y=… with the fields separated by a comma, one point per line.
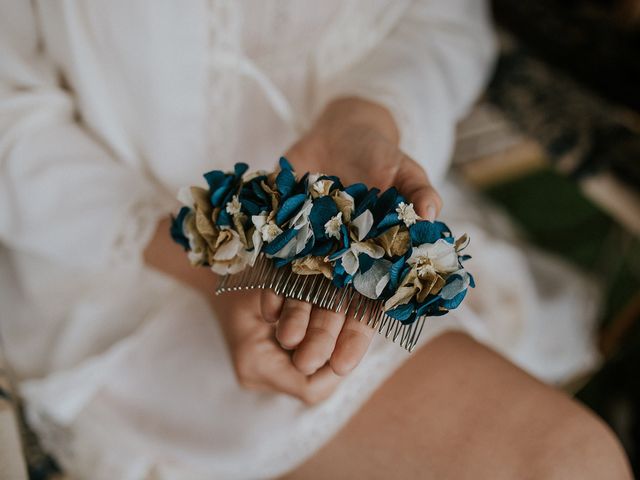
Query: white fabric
x=108, y=108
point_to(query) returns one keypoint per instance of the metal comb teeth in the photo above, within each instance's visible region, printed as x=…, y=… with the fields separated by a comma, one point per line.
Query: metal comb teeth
x=320, y=291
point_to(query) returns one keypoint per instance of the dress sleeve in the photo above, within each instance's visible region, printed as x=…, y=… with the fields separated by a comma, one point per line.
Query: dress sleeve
x=62, y=194
x=427, y=71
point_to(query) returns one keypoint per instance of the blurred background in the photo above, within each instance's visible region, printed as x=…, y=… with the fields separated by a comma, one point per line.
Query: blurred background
x=555, y=142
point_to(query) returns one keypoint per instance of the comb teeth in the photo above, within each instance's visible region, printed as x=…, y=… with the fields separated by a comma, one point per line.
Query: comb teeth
x=320, y=291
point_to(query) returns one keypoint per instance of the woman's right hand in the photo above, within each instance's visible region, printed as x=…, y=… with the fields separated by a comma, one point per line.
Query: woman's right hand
x=260, y=363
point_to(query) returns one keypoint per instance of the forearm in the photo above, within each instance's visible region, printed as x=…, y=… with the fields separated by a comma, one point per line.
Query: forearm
x=163, y=254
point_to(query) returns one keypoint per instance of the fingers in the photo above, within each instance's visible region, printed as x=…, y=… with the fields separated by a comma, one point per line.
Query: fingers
x=352, y=344
x=271, y=305
x=320, y=385
x=310, y=389
x=270, y=369
x=413, y=182
x=292, y=326
x=320, y=339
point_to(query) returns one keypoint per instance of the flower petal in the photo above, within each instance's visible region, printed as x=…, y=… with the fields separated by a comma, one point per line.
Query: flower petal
x=350, y=262
x=427, y=232
x=289, y=208
x=362, y=224
x=372, y=282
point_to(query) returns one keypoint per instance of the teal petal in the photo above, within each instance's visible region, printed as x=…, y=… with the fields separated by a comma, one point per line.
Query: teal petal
x=289, y=208
x=427, y=232
x=401, y=312
x=279, y=242
x=177, y=228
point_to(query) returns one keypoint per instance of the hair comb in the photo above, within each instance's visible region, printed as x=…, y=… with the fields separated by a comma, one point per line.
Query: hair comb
x=348, y=249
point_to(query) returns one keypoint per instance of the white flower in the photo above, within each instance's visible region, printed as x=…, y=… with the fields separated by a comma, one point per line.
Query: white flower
x=301, y=219
x=362, y=224
x=440, y=256
x=233, y=207
x=332, y=227
x=321, y=188
x=372, y=282
x=270, y=231
x=230, y=256
x=407, y=214
x=267, y=229
x=350, y=260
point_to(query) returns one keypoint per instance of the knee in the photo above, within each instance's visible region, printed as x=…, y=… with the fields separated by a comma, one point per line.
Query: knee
x=581, y=446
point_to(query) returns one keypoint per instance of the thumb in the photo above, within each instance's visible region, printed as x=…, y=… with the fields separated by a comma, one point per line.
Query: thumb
x=413, y=183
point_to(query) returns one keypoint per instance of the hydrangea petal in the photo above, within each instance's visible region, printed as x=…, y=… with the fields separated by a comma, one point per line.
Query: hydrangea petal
x=401, y=312
x=372, y=282
x=456, y=283
x=284, y=164
x=362, y=224
x=455, y=301
x=350, y=262
x=324, y=208
x=280, y=241
x=427, y=232
x=177, y=230
x=289, y=208
x=385, y=203
x=240, y=168
x=285, y=182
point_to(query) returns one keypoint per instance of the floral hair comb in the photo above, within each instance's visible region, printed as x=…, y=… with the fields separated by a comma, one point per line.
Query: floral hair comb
x=348, y=249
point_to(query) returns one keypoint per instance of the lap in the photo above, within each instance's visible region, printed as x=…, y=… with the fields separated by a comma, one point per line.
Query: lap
x=458, y=410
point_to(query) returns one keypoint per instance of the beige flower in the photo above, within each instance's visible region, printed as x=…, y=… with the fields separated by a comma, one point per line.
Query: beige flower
x=229, y=255
x=345, y=204
x=312, y=266
x=269, y=187
x=431, y=263
x=395, y=241
x=320, y=188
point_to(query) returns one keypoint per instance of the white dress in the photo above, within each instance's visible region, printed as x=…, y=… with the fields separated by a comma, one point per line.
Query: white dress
x=107, y=108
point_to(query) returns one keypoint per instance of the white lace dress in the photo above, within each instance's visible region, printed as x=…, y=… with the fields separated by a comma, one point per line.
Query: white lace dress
x=107, y=108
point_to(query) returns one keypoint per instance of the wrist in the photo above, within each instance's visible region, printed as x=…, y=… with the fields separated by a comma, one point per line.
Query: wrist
x=163, y=254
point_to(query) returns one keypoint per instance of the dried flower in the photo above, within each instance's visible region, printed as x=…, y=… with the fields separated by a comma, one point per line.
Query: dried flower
x=332, y=227
x=233, y=207
x=407, y=214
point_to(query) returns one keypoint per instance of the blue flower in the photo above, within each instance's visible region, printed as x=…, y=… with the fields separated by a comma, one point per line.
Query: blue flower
x=356, y=236
x=177, y=228
x=222, y=187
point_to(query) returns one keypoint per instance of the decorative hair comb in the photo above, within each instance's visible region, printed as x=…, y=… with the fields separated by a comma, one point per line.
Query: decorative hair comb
x=348, y=249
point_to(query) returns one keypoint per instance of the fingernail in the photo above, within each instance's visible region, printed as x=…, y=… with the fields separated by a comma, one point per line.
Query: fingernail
x=431, y=213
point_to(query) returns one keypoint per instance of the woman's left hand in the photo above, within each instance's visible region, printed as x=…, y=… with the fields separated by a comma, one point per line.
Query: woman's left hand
x=357, y=141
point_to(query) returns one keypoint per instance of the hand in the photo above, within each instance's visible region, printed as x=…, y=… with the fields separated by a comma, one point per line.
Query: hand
x=357, y=141
x=259, y=361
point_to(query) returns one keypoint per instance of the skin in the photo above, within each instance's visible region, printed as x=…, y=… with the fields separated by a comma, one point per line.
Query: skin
x=456, y=410
x=453, y=410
